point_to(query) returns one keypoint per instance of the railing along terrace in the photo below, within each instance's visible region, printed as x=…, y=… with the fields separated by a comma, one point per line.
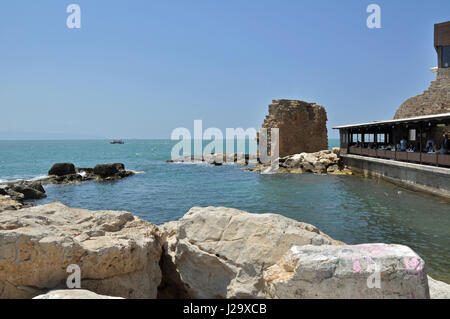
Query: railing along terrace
x=435, y=159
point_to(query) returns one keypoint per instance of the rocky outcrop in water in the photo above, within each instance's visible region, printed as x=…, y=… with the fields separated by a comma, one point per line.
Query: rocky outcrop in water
x=67, y=173
x=118, y=254
x=61, y=169
x=323, y=162
x=23, y=190
x=372, y=271
x=218, y=159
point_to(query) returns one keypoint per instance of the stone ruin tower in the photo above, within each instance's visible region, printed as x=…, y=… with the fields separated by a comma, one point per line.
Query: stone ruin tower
x=436, y=99
x=302, y=126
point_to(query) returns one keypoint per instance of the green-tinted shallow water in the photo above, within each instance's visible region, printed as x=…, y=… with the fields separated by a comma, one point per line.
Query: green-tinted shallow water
x=348, y=208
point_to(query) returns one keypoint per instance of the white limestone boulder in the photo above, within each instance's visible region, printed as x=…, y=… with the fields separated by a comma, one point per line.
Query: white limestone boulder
x=218, y=252
x=438, y=289
x=118, y=254
x=368, y=271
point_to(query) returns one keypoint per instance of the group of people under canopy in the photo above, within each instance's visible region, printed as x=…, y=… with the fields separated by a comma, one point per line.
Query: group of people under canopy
x=407, y=146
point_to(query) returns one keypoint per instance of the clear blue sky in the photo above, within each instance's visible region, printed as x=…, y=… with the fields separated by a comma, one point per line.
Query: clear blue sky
x=140, y=68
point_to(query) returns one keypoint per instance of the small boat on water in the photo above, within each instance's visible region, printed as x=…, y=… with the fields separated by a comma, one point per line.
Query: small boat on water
x=117, y=142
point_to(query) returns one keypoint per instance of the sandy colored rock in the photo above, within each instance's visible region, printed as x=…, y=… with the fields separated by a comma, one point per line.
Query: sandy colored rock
x=320, y=163
x=117, y=252
x=7, y=203
x=73, y=294
x=348, y=272
x=435, y=100
x=438, y=289
x=220, y=252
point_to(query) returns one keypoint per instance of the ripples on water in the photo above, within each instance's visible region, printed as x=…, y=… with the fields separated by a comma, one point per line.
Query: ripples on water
x=351, y=209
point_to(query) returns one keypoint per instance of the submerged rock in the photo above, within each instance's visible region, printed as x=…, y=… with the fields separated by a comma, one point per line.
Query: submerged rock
x=219, y=252
x=118, y=253
x=369, y=271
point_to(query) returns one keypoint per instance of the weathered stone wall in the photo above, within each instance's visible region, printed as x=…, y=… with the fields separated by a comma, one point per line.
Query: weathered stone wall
x=435, y=100
x=302, y=126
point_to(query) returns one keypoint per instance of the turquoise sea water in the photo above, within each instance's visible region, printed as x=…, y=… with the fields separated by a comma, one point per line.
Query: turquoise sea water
x=351, y=209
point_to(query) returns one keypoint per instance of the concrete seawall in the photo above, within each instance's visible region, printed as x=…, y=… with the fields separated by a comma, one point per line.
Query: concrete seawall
x=429, y=179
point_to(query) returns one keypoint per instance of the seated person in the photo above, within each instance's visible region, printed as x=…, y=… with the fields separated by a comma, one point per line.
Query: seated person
x=430, y=148
x=430, y=141
x=445, y=145
x=403, y=144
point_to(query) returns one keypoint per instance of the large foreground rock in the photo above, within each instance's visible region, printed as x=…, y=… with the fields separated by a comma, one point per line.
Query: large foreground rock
x=349, y=272
x=219, y=252
x=73, y=294
x=118, y=254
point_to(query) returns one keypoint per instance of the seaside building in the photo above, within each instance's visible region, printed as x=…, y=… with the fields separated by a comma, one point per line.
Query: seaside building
x=413, y=148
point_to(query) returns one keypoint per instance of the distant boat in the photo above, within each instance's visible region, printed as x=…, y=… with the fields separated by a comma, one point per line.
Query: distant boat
x=117, y=142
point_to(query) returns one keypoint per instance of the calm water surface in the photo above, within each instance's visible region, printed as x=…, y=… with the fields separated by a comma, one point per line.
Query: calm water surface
x=351, y=209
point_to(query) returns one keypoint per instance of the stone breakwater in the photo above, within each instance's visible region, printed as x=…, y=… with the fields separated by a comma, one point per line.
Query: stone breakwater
x=212, y=252
x=322, y=162
x=218, y=159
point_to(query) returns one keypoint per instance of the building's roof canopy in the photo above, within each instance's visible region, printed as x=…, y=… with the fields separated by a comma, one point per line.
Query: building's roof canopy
x=418, y=119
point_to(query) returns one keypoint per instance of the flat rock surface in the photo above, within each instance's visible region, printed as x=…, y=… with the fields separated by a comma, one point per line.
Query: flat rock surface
x=438, y=289
x=370, y=271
